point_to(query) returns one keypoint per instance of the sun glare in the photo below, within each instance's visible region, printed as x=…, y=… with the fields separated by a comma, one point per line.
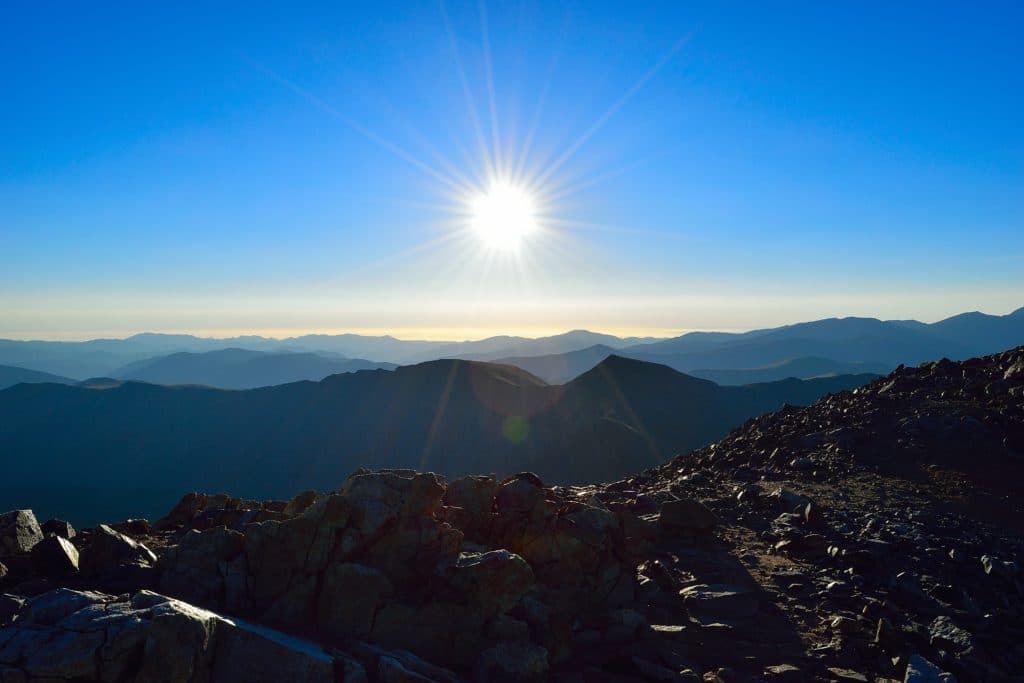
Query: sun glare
x=503, y=215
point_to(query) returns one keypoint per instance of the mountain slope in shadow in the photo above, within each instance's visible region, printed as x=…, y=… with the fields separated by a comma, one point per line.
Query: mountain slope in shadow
x=450, y=416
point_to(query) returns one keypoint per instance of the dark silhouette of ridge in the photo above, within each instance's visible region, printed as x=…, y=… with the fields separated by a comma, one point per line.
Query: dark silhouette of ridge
x=450, y=416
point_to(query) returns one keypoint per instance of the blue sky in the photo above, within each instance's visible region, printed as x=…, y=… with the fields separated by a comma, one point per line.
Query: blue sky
x=259, y=168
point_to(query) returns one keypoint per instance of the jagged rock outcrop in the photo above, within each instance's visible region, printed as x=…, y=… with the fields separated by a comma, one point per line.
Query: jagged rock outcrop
x=379, y=559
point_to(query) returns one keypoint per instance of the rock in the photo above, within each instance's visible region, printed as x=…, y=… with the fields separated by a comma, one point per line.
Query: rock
x=686, y=514
x=721, y=601
x=993, y=566
x=519, y=494
x=390, y=670
x=784, y=673
x=350, y=598
x=183, y=512
x=494, y=581
x=9, y=606
x=109, y=549
x=134, y=527
x=73, y=635
x=789, y=501
x=58, y=527
x=300, y=503
x=19, y=532
x=206, y=568
x=920, y=670
x=946, y=635
x=471, y=505
x=371, y=655
x=512, y=663
x=55, y=556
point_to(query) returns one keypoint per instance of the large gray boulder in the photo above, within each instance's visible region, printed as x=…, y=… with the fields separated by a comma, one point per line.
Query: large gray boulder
x=19, y=532
x=76, y=635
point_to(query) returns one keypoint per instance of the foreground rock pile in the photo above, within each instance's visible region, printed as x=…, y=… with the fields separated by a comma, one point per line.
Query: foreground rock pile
x=874, y=536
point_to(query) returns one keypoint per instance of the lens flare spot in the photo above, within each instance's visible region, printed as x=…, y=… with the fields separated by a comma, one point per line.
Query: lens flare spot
x=515, y=429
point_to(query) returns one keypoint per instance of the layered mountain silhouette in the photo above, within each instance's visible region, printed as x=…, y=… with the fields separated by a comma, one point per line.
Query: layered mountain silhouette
x=241, y=368
x=810, y=349
x=10, y=375
x=82, y=448
x=562, y=367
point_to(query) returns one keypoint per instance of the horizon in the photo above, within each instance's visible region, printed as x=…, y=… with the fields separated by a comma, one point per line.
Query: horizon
x=282, y=335
x=462, y=169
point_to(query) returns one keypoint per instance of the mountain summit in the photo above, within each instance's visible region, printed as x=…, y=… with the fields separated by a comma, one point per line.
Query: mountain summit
x=874, y=535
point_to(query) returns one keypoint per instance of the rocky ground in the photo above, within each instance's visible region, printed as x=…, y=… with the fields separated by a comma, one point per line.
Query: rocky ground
x=874, y=536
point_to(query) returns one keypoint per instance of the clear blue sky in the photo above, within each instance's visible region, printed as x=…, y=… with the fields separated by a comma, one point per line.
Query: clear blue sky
x=262, y=168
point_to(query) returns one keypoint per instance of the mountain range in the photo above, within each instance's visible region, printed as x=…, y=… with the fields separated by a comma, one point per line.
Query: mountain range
x=78, y=450
x=241, y=368
x=823, y=347
x=11, y=375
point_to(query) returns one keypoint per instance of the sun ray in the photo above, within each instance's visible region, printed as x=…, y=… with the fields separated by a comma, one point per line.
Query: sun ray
x=496, y=150
x=359, y=128
x=612, y=110
x=485, y=155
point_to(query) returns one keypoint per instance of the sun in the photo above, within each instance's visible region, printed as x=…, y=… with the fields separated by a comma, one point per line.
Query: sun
x=503, y=215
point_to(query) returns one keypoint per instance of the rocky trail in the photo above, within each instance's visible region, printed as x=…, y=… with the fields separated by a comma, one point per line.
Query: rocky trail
x=873, y=536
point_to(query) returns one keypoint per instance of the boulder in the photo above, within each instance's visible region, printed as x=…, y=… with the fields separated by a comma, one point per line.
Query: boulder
x=350, y=598
x=58, y=527
x=470, y=503
x=920, y=670
x=688, y=515
x=74, y=635
x=720, y=601
x=203, y=566
x=493, y=581
x=9, y=606
x=109, y=549
x=946, y=635
x=391, y=670
x=183, y=512
x=512, y=663
x=519, y=494
x=19, y=532
x=55, y=556
x=300, y=503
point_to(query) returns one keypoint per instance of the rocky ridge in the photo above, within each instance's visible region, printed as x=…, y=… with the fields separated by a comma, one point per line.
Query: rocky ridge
x=873, y=536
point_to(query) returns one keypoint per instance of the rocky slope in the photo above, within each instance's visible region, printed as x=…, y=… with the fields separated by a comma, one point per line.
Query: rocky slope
x=873, y=536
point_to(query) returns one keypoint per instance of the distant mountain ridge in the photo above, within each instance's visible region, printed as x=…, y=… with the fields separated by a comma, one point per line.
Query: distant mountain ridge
x=451, y=416
x=241, y=368
x=9, y=376
x=873, y=343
